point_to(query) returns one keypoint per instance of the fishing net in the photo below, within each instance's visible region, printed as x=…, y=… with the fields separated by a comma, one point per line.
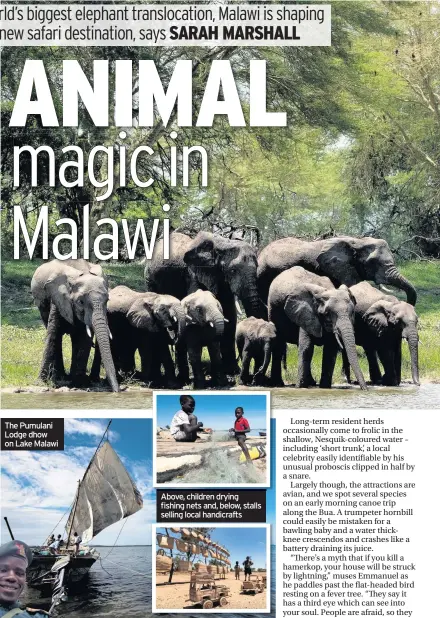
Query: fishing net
x=219, y=468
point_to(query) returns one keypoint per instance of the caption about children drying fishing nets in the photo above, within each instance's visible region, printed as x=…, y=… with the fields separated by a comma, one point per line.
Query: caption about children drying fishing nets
x=353, y=503
x=196, y=506
x=30, y=434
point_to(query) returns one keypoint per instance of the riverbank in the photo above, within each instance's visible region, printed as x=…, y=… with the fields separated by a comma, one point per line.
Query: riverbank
x=22, y=335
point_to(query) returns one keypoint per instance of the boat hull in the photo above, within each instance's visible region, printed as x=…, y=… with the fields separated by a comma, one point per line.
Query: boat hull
x=78, y=567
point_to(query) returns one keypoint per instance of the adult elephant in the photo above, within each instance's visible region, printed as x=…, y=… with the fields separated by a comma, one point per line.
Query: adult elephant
x=205, y=325
x=382, y=321
x=308, y=310
x=225, y=267
x=72, y=298
x=144, y=322
x=344, y=259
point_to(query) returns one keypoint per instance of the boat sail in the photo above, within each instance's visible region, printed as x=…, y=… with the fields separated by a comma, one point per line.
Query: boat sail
x=105, y=495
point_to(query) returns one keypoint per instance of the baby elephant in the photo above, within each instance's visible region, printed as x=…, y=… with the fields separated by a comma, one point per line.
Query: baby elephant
x=255, y=340
x=205, y=325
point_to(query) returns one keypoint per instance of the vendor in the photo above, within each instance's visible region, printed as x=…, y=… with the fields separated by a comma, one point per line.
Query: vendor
x=247, y=568
x=15, y=557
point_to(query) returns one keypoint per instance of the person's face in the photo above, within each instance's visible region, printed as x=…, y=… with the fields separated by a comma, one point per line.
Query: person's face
x=188, y=406
x=238, y=414
x=12, y=578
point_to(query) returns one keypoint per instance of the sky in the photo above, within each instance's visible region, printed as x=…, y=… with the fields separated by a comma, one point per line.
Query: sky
x=38, y=487
x=240, y=541
x=217, y=410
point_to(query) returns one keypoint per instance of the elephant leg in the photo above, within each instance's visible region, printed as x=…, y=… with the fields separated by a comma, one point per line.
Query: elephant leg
x=398, y=360
x=373, y=365
x=229, y=356
x=96, y=366
x=387, y=358
x=276, y=377
x=329, y=354
x=305, y=354
x=240, y=345
x=182, y=363
x=146, y=355
x=218, y=377
x=81, y=346
x=346, y=368
x=195, y=359
x=245, y=365
x=168, y=365
x=52, y=366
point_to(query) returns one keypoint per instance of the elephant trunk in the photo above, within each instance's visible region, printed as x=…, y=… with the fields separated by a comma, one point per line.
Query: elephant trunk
x=413, y=344
x=393, y=277
x=267, y=354
x=252, y=303
x=217, y=321
x=100, y=326
x=181, y=321
x=345, y=329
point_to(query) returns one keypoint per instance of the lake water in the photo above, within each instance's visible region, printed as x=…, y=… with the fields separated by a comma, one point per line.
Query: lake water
x=119, y=587
x=406, y=396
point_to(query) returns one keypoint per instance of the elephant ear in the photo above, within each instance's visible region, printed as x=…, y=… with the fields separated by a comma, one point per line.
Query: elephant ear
x=337, y=261
x=96, y=269
x=141, y=315
x=300, y=309
x=379, y=316
x=59, y=291
x=202, y=253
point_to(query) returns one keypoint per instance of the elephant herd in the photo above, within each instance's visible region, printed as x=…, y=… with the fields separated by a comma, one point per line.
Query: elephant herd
x=303, y=293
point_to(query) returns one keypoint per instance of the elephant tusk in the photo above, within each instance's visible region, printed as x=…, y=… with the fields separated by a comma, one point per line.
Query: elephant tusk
x=174, y=318
x=385, y=289
x=110, y=334
x=237, y=306
x=339, y=341
x=227, y=321
x=89, y=332
x=211, y=324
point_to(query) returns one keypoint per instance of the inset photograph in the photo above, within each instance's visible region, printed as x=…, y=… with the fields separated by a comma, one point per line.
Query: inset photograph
x=77, y=521
x=218, y=439
x=225, y=568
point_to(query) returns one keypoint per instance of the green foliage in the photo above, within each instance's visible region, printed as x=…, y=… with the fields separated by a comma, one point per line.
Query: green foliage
x=292, y=180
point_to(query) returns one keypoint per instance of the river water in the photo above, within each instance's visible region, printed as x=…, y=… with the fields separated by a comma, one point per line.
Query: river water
x=119, y=587
x=406, y=396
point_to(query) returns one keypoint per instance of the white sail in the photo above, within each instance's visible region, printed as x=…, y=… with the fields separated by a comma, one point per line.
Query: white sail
x=106, y=495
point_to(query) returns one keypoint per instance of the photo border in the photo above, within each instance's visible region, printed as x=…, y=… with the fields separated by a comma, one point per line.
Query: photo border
x=170, y=485
x=267, y=609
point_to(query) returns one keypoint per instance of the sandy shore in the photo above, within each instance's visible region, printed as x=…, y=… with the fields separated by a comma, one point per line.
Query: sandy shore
x=176, y=595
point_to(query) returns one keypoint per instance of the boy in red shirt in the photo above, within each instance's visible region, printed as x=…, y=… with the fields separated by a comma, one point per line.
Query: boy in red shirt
x=241, y=428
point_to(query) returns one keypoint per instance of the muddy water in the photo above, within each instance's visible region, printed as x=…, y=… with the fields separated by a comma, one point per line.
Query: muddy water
x=407, y=396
